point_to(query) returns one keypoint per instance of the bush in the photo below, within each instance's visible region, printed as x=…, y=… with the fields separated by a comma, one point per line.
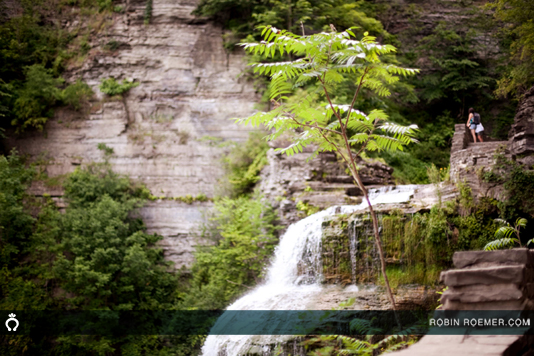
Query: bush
x=407, y=168
x=95, y=255
x=111, y=87
x=243, y=164
x=244, y=235
x=39, y=93
x=75, y=94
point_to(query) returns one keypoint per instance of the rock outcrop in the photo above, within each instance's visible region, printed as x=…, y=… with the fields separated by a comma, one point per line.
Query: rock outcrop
x=189, y=89
x=490, y=280
x=316, y=184
x=521, y=136
x=483, y=281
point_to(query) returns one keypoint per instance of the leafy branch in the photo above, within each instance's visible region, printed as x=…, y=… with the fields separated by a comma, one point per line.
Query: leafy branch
x=507, y=235
x=324, y=60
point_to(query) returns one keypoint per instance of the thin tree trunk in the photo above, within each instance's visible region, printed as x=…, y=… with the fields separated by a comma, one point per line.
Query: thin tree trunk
x=378, y=241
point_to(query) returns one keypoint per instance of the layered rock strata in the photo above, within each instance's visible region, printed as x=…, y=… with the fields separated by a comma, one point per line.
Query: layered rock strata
x=293, y=184
x=490, y=280
x=484, y=280
x=521, y=135
x=161, y=131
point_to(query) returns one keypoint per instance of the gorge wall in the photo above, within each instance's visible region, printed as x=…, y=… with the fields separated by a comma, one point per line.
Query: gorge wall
x=189, y=89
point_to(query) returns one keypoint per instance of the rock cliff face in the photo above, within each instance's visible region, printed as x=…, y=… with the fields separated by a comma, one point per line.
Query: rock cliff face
x=295, y=185
x=189, y=89
x=521, y=135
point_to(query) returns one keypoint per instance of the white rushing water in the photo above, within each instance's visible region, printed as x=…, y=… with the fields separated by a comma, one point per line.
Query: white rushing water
x=294, y=277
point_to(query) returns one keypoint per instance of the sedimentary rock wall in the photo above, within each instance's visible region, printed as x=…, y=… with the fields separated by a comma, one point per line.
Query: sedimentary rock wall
x=521, y=135
x=189, y=89
x=316, y=184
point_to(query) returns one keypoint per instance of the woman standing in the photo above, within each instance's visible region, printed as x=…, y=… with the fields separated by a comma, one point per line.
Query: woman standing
x=472, y=122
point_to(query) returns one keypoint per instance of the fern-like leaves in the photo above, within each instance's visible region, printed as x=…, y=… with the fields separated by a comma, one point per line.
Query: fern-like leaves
x=500, y=244
x=507, y=236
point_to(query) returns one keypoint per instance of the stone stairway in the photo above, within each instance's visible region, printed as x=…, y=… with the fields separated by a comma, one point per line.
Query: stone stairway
x=484, y=280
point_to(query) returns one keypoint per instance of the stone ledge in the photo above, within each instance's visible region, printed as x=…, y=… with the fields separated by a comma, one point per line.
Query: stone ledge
x=517, y=256
x=486, y=275
x=522, y=304
x=483, y=293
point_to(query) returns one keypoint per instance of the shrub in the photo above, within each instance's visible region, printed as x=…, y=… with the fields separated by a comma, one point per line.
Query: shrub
x=39, y=93
x=111, y=87
x=108, y=151
x=75, y=94
x=244, y=235
x=148, y=12
x=243, y=164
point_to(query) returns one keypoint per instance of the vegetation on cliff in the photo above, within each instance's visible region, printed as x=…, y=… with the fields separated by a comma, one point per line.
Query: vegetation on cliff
x=35, y=49
x=95, y=255
x=239, y=235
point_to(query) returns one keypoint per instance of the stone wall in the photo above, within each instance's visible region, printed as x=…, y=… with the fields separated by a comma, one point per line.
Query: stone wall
x=490, y=280
x=483, y=280
x=470, y=160
x=189, y=89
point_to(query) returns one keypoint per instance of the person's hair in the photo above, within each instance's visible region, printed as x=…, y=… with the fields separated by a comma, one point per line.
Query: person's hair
x=471, y=110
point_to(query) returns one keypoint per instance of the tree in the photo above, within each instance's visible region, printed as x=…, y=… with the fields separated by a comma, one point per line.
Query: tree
x=514, y=19
x=323, y=59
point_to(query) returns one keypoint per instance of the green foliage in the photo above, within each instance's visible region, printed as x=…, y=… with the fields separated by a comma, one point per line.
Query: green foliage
x=243, y=164
x=36, y=97
x=108, y=151
x=423, y=244
x=39, y=94
x=111, y=263
x=88, y=185
x=148, y=12
x=76, y=94
x=505, y=235
x=243, y=17
x=518, y=183
x=95, y=255
x=111, y=87
x=33, y=53
x=15, y=222
x=324, y=59
x=407, y=168
x=243, y=237
x=460, y=73
x=306, y=208
x=517, y=30
x=365, y=346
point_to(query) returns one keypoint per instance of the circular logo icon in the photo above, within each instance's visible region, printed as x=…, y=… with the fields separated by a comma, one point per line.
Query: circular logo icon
x=12, y=318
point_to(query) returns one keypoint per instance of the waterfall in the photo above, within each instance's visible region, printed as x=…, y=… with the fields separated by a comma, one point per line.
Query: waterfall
x=294, y=276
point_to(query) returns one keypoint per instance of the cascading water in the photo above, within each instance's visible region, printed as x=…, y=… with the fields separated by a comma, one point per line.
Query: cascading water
x=294, y=276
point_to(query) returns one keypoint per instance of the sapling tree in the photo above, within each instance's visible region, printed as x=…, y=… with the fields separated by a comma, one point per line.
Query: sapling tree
x=324, y=60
